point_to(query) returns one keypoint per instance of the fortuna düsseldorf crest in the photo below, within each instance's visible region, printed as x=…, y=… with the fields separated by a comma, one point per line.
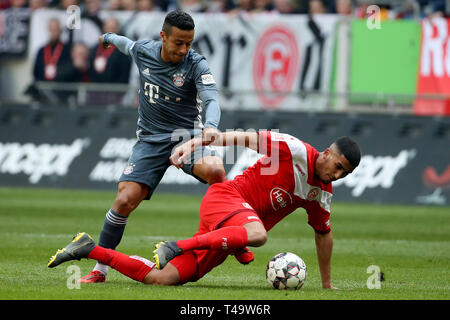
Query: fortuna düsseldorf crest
x=312, y=195
x=275, y=65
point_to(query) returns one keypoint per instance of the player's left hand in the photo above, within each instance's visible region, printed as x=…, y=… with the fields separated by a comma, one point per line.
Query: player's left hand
x=209, y=135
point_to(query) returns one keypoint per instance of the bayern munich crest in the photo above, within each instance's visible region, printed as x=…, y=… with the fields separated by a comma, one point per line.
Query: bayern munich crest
x=178, y=79
x=128, y=169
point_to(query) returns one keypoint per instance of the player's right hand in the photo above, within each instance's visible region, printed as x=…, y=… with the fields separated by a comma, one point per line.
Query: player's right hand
x=105, y=45
x=181, y=153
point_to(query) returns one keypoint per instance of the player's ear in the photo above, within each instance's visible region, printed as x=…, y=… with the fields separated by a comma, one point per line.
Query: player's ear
x=163, y=36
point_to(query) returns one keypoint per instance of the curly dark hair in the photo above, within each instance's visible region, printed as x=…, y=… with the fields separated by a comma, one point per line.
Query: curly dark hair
x=178, y=18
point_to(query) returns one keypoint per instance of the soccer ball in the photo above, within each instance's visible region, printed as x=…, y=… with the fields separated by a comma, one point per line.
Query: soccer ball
x=286, y=271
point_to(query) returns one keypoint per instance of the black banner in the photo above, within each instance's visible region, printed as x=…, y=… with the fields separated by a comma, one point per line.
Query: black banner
x=14, y=30
x=406, y=159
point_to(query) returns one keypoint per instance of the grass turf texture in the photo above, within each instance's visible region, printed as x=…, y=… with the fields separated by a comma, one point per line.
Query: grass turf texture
x=410, y=244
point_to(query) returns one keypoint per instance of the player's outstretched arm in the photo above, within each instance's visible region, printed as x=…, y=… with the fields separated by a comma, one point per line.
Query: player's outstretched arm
x=232, y=138
x=324, y=246
x=120, y=42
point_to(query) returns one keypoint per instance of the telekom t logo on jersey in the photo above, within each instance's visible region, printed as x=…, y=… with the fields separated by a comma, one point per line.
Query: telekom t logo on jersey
x=151, y=91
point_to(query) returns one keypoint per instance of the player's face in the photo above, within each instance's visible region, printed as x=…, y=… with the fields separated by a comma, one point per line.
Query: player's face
x=333, y=166
x=176, y=44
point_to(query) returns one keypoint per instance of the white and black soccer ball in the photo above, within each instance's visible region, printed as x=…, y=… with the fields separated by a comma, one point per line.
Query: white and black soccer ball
x=286, y=271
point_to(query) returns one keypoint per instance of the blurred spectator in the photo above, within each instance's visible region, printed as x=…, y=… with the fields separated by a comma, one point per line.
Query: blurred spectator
x=285, y=6
x=243, y=6
x=263, y=6
x=410, y=9
x=361, y=9
x=76, y=71
x=192, y=6
x=434, y=8
x=54, y=57
x=316, y=7
x=19, y=3
x=37, y=4
x=128, y=5
x=80, y=64
x=5, y=4
x=162, y=4
x=109, y=65
x=113, y=5
x=64, y=4
x=344, y=7
x=92, y=10
x=53, y=63
x=219, y=5
x=147, y=5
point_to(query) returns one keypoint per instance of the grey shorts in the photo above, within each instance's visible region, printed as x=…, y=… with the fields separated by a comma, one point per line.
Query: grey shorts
x=149, y=161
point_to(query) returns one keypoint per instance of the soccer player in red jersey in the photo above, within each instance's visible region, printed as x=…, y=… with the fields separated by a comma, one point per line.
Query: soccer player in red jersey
x=238, y=213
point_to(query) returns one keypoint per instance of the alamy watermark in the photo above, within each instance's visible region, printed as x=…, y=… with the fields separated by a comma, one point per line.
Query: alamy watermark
x=375, y=278
x=373, y=17
x=199, y=155
x=74, y=273
x=73, y=21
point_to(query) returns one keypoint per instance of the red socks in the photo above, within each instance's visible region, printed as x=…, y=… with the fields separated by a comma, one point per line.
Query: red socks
x=136, y=268
x=133, y=267
x=233, y=237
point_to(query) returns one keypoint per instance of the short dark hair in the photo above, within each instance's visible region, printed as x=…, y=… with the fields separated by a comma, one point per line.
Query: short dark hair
x=350, y=149
x=178, y=18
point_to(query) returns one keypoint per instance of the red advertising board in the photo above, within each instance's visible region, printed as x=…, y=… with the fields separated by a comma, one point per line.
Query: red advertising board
x=433, y=85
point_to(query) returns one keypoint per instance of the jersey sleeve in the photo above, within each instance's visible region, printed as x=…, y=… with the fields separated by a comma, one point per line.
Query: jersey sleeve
x=210, y=99
x=284, y=146
x=208, y=93
x=204, y=79
x=120, y=42
x=136, y=48
x=319, y=219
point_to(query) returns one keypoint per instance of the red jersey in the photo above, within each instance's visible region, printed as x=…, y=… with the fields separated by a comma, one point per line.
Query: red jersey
x=283, y=180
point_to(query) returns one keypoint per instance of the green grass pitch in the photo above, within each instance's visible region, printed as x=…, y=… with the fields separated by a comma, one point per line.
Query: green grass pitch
x=410, y=245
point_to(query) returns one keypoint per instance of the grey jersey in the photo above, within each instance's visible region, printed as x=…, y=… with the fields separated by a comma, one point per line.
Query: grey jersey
x=171, y=96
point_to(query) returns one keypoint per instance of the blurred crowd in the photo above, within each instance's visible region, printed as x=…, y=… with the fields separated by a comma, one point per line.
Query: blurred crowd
x=60, y=61
x=399, y=9
x=70, y=61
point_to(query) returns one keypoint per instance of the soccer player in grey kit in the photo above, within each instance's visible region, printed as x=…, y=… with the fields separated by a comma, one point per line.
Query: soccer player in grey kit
x=173, y=78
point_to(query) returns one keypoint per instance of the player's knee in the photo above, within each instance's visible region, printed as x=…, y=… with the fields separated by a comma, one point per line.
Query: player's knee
x=257, y=237
x=129, y=197
x=210, y=169
x=124, y=204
